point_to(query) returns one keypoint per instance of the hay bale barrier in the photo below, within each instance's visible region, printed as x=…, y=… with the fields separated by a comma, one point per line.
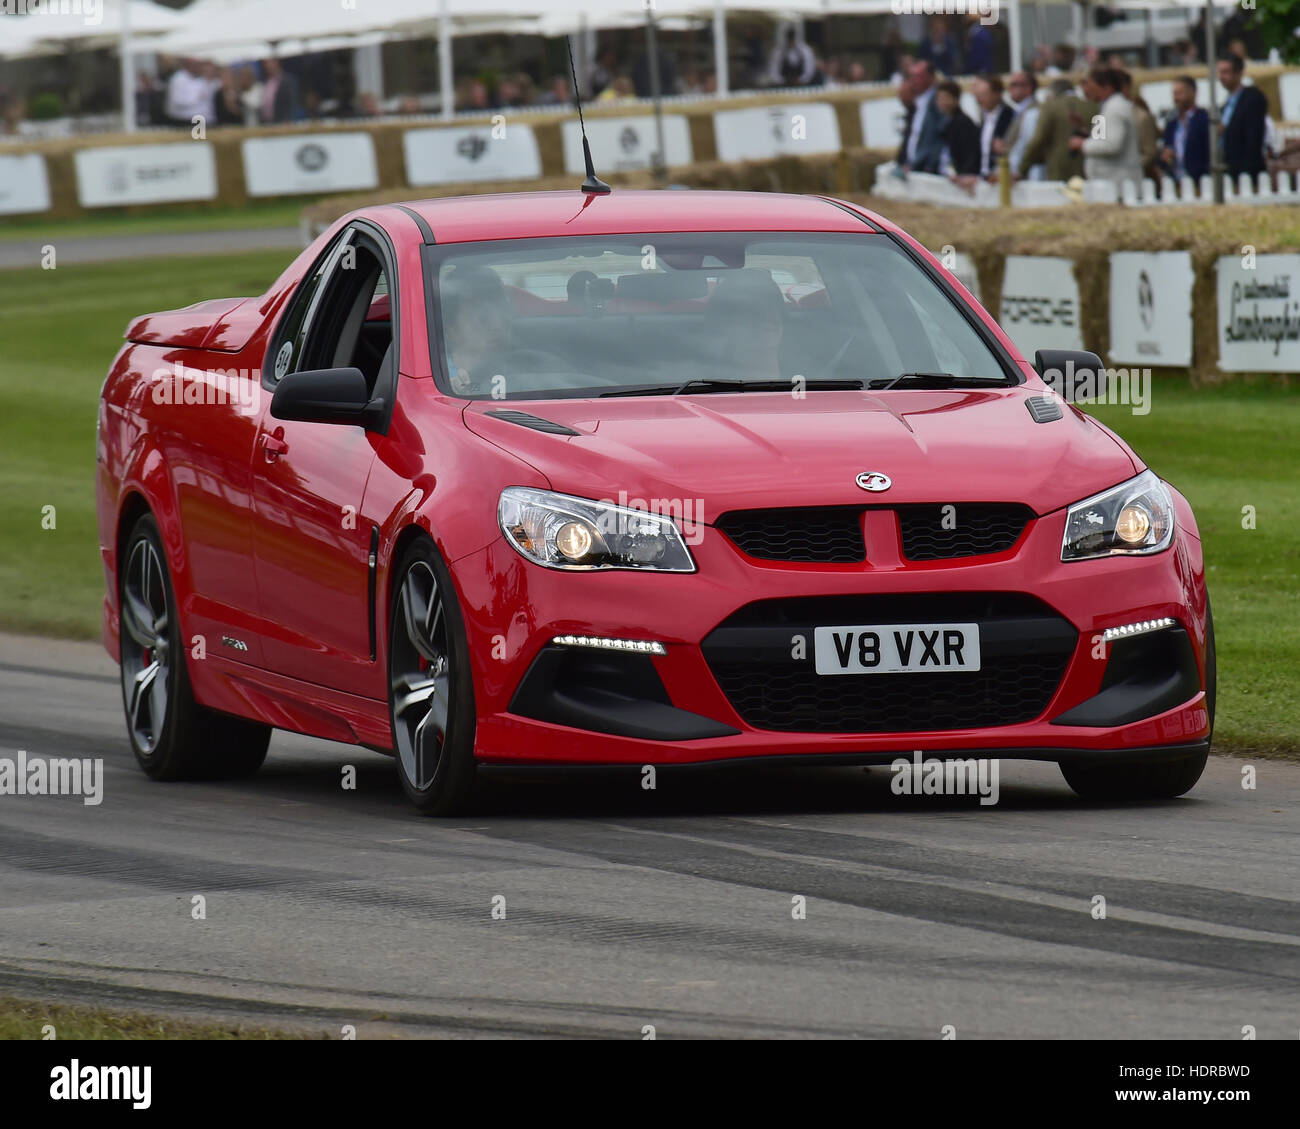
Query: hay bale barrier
x=1087, y=234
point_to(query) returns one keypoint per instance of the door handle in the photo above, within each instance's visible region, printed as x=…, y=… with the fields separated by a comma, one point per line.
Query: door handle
x=274, y=447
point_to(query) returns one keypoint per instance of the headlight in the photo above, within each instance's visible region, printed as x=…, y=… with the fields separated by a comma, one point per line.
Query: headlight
x=1136, y=516
x=560, y=531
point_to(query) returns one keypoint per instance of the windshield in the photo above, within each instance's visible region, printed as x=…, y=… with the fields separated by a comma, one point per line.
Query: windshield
x=691, y=313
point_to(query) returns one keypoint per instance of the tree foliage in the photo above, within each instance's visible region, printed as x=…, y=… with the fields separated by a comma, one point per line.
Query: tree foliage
x=1277, y=21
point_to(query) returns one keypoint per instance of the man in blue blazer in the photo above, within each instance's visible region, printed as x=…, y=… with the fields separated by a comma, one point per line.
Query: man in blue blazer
x=940, y=48
x=1243, y=120
x=923, y=126
x=1186, y=149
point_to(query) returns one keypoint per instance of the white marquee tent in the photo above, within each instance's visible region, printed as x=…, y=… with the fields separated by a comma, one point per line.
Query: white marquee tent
x=224, y=29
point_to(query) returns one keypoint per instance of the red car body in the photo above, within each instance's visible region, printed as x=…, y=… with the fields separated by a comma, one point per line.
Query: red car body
x=287, y=555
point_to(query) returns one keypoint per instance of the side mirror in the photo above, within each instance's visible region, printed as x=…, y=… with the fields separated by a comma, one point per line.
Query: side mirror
x=1078, y=376
x=328, y=395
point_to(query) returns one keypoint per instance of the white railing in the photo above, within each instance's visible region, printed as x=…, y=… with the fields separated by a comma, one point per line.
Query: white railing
x=928, y=188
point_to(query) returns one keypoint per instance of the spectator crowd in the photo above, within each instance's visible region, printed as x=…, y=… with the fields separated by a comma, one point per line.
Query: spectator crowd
x=266, y=93
x=1043, y=120
x=174, y=91
x=1099, y=128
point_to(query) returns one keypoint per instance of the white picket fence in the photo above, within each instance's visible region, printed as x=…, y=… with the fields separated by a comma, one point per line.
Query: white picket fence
x=929, y=188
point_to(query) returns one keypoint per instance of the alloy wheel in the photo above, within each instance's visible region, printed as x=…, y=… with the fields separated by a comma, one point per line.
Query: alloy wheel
x=146, y=645
x=421, y=682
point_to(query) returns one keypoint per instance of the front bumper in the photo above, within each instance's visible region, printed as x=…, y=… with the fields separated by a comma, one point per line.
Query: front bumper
x=514, y=610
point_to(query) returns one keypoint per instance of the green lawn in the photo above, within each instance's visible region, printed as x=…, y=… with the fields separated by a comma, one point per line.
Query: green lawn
x=272, y=213
x=59, y=331
x=1225, y=447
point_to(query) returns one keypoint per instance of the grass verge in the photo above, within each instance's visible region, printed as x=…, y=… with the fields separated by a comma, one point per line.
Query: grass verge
x=1231, y=449
x=60, y=330
x=27, y=1019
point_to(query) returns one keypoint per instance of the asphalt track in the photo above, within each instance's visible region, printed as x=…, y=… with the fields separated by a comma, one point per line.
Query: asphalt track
x=624, y=908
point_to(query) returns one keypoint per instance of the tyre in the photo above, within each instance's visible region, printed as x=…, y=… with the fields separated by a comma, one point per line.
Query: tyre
x=431, y=688
x=172, y=736
x=1158, y=781
x=1211, y=665
x=1162, y=780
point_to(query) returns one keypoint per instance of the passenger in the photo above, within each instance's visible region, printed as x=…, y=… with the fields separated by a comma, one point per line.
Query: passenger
x=577, y=289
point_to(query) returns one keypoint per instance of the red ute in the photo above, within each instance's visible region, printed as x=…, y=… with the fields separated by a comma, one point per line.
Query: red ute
x=645, y=478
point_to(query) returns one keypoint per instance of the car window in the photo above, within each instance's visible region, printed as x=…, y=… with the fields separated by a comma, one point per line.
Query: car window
x=342, y=315
x=949, y=357
x=285, y=354
x=583, y=316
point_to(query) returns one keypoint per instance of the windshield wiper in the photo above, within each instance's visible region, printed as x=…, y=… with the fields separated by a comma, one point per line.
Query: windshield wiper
x=705, y=384
x=934, y=380
x=700, y=385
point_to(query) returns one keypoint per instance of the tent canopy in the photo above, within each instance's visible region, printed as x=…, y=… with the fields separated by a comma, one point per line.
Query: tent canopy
x=208, y=24
x=56, y=30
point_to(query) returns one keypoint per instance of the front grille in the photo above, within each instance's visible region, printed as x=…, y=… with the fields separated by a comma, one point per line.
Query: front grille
x=822, y=535
x=833, y=534
x=962, y=529
x=1024, y=647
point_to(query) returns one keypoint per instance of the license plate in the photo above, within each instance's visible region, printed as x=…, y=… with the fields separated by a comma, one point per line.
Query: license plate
x=895, y=648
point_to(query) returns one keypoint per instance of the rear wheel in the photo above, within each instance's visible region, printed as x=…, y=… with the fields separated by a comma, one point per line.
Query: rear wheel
x=172, y=736
x=431, y=692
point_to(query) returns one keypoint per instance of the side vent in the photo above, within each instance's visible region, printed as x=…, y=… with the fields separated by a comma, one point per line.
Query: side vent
x=1044, y=409
x=523, y=419
x=372, y=567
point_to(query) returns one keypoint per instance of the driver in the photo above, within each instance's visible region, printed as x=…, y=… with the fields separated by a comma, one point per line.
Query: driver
x=478, y=321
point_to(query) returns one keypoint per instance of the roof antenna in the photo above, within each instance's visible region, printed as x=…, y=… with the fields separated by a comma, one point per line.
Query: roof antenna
x=593, y=184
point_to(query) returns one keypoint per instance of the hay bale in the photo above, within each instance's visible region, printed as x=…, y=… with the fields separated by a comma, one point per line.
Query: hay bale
x=1088, y=233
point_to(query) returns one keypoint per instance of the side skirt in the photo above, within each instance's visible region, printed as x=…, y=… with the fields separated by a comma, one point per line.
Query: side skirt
x=291, y=704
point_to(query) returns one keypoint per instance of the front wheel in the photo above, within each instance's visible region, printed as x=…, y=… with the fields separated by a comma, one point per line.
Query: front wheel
x=1159, y=781
x=431, y=691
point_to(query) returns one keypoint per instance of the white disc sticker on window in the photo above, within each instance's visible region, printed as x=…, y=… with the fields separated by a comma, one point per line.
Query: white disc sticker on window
x=282, y=359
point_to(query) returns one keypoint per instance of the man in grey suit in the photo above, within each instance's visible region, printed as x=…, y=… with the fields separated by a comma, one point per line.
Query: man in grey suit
x=1110, y=147
x=923, y=126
